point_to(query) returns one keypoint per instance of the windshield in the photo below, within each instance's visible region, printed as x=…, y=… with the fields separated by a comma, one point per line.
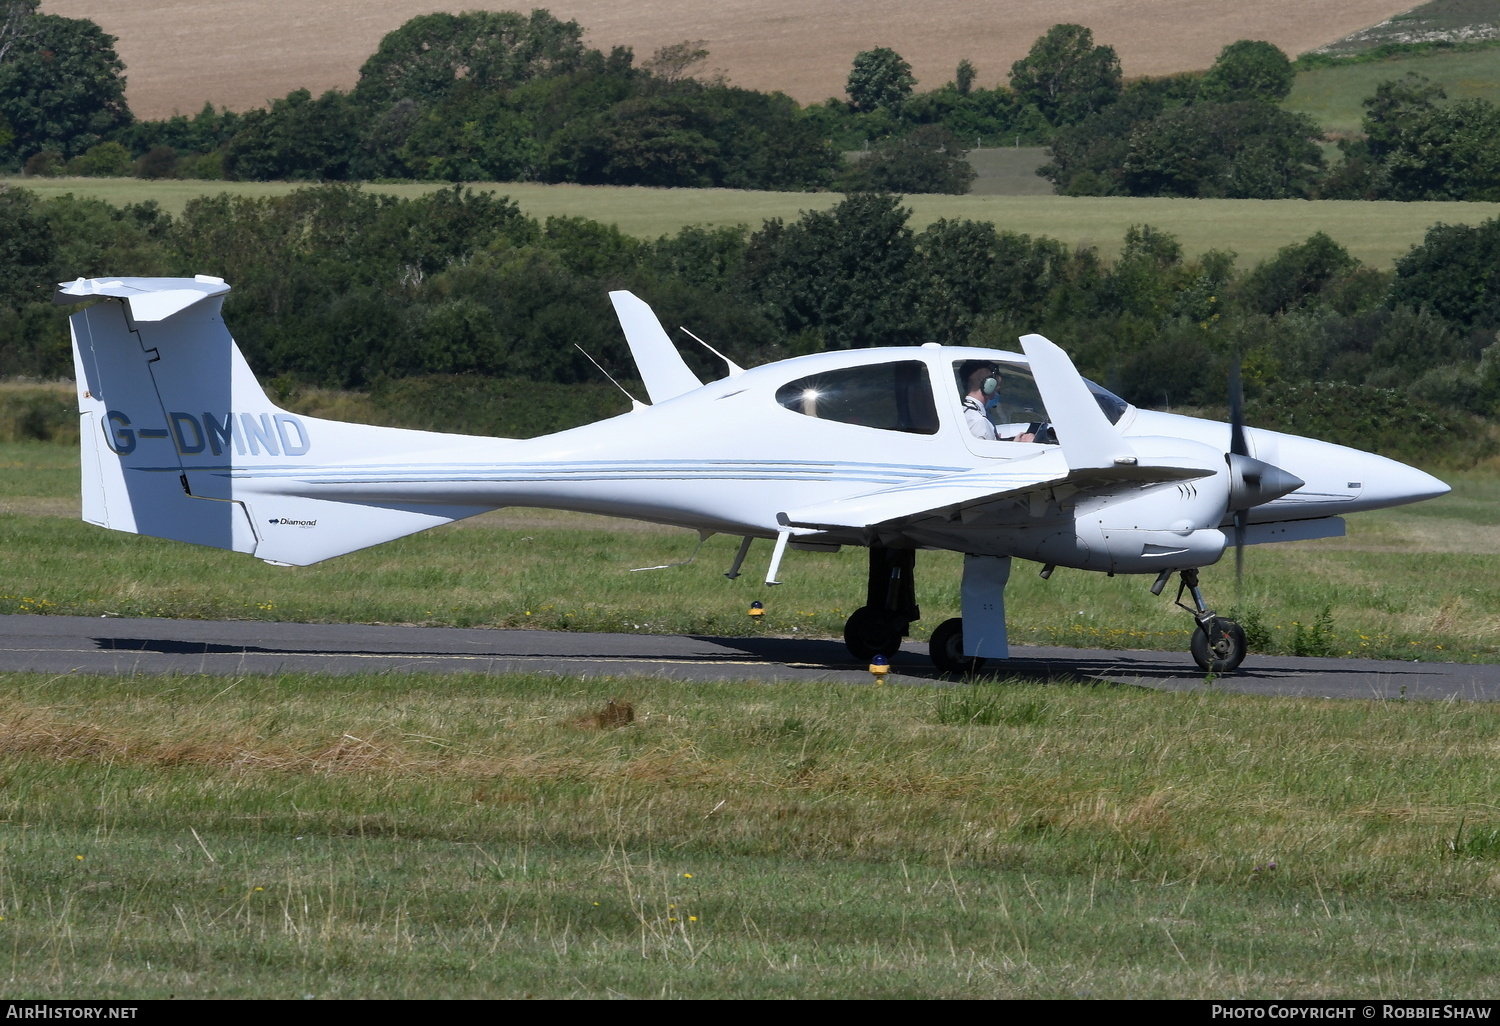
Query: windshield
x=1001, y=401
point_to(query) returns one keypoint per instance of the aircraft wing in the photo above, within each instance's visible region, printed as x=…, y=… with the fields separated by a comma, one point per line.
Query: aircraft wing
x=968, y=493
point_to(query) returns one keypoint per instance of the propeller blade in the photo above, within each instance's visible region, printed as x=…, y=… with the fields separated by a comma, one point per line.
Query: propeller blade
x=1239, y=559
x=1237, y=411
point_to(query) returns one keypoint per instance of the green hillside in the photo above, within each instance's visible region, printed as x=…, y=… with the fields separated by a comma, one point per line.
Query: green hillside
x=1332, y=96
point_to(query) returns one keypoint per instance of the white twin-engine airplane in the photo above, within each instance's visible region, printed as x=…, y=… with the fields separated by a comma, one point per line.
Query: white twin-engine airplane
x=992, y=454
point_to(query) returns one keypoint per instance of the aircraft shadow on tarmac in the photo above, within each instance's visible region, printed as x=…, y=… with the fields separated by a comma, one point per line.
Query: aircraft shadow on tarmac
x=806, y=653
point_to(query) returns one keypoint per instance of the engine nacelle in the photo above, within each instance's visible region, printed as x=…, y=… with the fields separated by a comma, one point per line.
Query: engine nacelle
x=1167, y=526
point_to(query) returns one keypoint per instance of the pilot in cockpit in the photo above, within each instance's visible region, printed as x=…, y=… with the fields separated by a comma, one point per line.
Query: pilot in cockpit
x=981, y=381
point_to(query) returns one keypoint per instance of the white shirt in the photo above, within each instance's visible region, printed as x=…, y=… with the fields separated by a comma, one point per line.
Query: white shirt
x=979, y=423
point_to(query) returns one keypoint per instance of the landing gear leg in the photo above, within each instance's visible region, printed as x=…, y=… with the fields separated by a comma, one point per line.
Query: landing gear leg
x=962, y=645
x=877, y=627
x=1218, y=644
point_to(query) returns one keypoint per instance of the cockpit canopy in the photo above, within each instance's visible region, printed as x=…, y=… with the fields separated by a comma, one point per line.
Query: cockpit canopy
x=898, y=395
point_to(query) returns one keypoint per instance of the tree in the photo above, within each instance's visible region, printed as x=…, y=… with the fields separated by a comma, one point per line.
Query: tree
x=963, y=77
x=840, y=277
x=1249, y=70
x=966, y=270
x=928, y=159
x=28, y=249
x=1456, y=271
x=62, y=87
x=473, y=136
x=691, y=135
x=1447, y=153
x=880, y=79
x=1087, y=157
x=658, y=140
x=1395, y=107
x=1393, y=115
x=1298, y=275
x=671, y=63
x=1243, y=150
x=427, y=58
x=13, y=17
x=299, y=139
x=1066, y=76
x=103, y=160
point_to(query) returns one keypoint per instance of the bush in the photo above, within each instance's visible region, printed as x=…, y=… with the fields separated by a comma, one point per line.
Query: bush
x=929, y=159
x=39, y=413
x=106, y=160
x=1373, y=419
x=505, y=407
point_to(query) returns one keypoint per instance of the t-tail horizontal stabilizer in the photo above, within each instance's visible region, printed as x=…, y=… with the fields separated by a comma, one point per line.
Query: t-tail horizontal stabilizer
x=180, y=441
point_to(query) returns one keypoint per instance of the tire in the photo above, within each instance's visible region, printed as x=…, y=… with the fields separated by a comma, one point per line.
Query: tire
x=870, y=632
x=947, y=649
x=1219, y=646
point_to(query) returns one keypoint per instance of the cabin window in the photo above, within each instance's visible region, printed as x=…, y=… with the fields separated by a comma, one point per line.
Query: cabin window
x=890, y=396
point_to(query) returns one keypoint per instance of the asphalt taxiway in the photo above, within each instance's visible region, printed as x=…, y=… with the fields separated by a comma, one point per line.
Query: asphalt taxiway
x=114, y=645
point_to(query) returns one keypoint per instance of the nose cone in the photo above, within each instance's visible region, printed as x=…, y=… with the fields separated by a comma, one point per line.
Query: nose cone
x=1338, y=479
x=1388, y=483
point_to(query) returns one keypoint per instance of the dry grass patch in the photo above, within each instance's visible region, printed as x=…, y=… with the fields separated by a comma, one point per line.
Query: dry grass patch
x=263, y=49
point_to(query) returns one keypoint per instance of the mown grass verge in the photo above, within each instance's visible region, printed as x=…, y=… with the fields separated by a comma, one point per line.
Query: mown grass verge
x=1376, y=233
x=404, y=836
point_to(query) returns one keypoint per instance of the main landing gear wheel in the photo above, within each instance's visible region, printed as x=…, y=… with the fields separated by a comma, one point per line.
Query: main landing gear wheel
x=947, y=649
x=871, y=632
x=1218, y=645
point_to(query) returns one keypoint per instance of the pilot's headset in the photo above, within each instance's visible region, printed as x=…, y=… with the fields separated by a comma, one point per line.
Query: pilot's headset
x=990, y=383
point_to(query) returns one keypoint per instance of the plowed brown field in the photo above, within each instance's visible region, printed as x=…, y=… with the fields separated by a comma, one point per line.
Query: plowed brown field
x=239, y=53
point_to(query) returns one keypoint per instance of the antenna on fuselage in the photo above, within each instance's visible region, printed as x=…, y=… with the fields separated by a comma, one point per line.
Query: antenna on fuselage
x=635, y=404
x=734, y=368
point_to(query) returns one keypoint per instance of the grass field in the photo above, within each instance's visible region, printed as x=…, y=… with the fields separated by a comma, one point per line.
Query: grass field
x=1009, y=171
x=395, y=836
x=1376, y=233
x=1333, y=96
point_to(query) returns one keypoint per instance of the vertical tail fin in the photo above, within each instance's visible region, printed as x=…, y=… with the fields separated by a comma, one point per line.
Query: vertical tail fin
x=180, y=441
x=154, y=366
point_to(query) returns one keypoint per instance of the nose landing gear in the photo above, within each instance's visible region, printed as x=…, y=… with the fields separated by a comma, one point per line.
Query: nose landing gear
x=1218, y=644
